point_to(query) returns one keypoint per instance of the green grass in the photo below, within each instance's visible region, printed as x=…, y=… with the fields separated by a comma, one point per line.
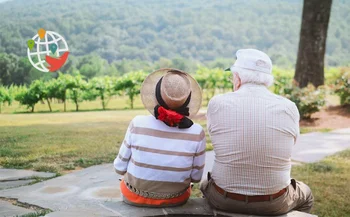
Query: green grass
x=304, y=130
x=329, y=181
x=36, y=214
x=62, y=141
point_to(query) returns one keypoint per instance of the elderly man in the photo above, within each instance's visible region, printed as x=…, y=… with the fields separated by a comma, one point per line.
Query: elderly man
x=253, y=132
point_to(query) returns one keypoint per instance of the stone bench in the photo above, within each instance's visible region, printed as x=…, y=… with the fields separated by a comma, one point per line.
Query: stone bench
x=194, y=207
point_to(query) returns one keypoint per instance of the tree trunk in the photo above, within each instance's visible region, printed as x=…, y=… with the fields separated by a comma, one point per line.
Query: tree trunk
x=0, y=107
x=132, y=101
x=64, y=101
x=76, y=107
x=33, y=108
x=103, y=102
x=312, y=44
x=48, y=103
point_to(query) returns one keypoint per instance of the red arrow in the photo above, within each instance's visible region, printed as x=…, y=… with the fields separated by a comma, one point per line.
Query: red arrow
x=56, y=63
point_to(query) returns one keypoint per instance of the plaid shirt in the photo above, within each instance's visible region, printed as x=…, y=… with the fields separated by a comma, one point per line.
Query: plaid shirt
x=253, y=132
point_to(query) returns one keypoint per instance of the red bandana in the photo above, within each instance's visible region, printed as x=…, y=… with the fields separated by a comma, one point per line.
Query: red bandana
x=170, y=117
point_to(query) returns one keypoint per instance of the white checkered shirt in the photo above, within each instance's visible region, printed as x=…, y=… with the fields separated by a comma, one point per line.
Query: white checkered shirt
x=252, y=131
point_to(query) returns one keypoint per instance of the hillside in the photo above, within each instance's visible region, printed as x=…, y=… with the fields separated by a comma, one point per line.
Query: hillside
x=149, y=30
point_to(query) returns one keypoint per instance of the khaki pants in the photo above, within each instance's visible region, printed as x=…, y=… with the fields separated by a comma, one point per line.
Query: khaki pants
x=297, y=197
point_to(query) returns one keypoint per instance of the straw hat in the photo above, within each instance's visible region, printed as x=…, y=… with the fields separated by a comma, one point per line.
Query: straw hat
x=175, y=88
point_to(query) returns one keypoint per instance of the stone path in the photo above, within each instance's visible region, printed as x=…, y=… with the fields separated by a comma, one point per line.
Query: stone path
x=83, y=190
x=7, y=209
x=312, y=147
x=10, y=178
x=95, y=191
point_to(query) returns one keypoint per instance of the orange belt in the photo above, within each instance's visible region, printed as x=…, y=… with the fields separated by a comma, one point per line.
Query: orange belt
x=241, y=197
x=137, y=199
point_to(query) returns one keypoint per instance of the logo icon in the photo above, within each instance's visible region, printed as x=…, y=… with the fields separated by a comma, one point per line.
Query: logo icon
x=47, y=51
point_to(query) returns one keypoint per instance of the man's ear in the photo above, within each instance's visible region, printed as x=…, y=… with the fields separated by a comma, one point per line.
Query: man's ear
x=236, y=81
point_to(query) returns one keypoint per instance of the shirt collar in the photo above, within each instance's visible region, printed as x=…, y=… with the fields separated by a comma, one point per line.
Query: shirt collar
x=252, y=87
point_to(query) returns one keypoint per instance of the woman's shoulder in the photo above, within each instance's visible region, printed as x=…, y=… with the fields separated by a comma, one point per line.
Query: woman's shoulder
x=197, y=127
x=150, y=121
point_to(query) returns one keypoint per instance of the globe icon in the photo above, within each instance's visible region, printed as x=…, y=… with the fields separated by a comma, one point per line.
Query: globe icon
x=41, y=49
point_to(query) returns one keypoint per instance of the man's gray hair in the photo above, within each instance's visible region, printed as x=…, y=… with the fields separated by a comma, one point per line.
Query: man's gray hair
x=253, y=77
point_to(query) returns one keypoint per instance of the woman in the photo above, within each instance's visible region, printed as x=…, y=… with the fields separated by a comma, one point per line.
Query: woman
x=164, y=152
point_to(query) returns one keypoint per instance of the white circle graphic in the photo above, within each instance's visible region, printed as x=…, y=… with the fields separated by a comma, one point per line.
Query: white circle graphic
x=41, y=49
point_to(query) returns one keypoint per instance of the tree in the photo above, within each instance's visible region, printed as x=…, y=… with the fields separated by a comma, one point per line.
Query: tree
x=5, y=96
x=76, y=89
x=60, y=87
x=28, y=96
x=102, y=87
x=41, y=90
x=130, y=83
x=212, y=80
x=91, y=66
x=8, y=66
x=312, y=45
x=50, y=92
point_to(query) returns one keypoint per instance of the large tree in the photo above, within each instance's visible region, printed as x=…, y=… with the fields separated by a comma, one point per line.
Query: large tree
x=312, y=44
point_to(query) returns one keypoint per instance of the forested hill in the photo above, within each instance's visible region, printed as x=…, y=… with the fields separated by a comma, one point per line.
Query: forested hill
x=148, y=30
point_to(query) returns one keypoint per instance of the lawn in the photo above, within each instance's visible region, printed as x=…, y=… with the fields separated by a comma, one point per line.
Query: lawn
x=60, y=142
x=329, y=181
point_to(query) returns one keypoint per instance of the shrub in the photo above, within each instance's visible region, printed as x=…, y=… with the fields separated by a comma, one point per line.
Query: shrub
x=5, y=96
x=28, y=97
x=342, y=87
x=76, y=91
x=130, y=83
x=308, y=99
x=102, y=87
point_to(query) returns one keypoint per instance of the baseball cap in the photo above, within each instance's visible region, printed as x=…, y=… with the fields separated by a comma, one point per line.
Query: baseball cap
x=253, y=60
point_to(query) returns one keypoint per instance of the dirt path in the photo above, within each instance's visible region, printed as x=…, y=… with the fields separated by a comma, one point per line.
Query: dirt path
x=335, y=117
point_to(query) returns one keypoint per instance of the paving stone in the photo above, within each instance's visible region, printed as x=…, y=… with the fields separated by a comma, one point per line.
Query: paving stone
x=194, y=207
x=84, y=189
x=13, y=184
x=7, y=210
x=290, y=214
x=13, y=174
x=342, y=131
x=84, y=212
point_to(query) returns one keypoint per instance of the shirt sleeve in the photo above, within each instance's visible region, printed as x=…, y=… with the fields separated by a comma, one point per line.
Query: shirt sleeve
x=212, y=108
x=294, y=113
x=199, y=160
x=122, y=160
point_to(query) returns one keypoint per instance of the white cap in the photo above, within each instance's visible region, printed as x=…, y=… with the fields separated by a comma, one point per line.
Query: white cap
x=253, y=60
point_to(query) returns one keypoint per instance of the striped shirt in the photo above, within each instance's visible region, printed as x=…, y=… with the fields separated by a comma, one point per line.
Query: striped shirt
x=157, y=158
x=253, y=132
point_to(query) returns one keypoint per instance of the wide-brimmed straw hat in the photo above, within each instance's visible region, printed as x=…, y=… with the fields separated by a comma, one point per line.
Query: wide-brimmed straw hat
x=176, y=88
